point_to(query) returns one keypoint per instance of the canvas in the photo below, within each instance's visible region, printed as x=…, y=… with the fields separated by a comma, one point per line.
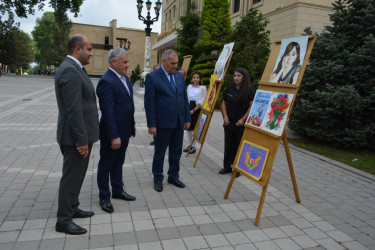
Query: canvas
x=252, y=159
x=277, y=113
x=199, y=129
x=209, y=103
x=222, y=61
x=258, y=109
x=290, y=59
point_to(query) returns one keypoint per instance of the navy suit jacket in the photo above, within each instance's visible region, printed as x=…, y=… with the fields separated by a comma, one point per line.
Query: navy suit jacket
x=117, y=107
x=164, y=107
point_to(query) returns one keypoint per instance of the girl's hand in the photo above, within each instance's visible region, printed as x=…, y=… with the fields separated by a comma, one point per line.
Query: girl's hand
x=226, y=121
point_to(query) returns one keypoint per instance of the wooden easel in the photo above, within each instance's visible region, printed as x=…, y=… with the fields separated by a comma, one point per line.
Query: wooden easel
x=269, y=140
x=209, y=114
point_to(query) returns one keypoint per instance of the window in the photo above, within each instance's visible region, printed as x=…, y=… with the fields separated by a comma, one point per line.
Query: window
x=106, y=43
x=236, y=6
x=174, y=11
x=256, y=1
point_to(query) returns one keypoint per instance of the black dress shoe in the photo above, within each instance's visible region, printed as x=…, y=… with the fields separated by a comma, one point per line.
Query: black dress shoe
x=152, y=142
x=124, y=196
x=106, y=205
x=82, y=214
x=186, y=149
x=71, y=228
x=192, y=150
x=158, y=186
x=177, y=183
x=225, y=171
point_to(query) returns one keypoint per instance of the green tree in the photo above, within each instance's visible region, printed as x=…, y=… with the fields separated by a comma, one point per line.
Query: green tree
x=215, y=26
x=187, y=37
x=43, y=35
x=251, y=46
x=336, y=101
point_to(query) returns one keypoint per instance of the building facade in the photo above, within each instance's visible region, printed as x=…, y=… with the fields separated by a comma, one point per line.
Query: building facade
x=288, y=18
x=105, y=38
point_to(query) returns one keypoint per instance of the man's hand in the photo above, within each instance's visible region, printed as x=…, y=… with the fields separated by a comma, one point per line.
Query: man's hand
x=135, y=131
x=83, y=150
x=152, y=131
x=116, y=143
x=187, y=125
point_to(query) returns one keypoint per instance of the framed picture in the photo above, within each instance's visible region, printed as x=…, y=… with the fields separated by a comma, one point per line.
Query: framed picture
x=211, y=94
x=200, y=126
x=258, y=109
x=252, y=159
x=290, y=59
x=277, y=113
x=222, y=61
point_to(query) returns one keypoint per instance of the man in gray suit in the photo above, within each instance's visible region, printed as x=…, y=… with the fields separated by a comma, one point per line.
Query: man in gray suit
x=77, y=130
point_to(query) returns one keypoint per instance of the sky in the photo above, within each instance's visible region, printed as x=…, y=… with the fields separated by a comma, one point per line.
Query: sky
x=100, y=12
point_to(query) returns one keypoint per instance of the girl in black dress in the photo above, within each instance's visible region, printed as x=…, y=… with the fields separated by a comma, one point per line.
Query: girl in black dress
x=237, y=101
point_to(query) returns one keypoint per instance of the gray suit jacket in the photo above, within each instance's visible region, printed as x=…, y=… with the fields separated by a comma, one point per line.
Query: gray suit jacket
x=78, y=122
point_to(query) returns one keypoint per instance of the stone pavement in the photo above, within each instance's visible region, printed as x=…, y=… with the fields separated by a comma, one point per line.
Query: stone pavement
x=337, y=209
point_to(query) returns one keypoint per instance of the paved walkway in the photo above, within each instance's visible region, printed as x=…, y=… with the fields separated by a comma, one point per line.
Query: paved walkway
x=337, y=209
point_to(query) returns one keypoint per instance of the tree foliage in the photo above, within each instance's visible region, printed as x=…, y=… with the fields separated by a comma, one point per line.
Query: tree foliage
x=15, y=45
x=336, y=101
x=251, y=46
x=187, y=36
x=215, y=26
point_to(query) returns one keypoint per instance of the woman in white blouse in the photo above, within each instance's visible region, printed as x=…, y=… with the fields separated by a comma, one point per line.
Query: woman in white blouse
x=196, y=94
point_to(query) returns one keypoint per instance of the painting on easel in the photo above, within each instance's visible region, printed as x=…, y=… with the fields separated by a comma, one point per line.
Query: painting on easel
x=288, y=64
x=222, y=61
x=252, y=159
x=277, y=113
x=258, y=109
x=209, y=103
x=200, y=127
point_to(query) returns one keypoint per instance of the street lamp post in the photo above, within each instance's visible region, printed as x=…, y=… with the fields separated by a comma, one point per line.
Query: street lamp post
x=148, y=21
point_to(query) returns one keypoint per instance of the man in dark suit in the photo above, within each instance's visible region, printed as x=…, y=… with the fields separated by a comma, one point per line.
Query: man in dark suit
x=117, y=125
x=168, y=114
x=77, y=130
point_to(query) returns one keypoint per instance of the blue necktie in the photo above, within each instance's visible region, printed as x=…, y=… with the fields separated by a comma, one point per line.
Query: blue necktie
x=173, y=83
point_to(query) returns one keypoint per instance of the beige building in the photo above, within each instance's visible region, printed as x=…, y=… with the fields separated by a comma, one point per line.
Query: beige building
x=105, y=38
x=288, y=18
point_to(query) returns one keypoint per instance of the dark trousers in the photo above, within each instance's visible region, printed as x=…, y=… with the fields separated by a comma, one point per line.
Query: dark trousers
x=232, y=140
x=110, y=167
x=73, y=174
x=164, y=138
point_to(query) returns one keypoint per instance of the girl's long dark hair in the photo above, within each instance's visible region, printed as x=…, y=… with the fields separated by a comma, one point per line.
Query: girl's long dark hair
x=245, y=87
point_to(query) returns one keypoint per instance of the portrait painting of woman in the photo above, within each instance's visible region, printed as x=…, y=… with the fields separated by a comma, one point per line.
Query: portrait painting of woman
x=292, y=53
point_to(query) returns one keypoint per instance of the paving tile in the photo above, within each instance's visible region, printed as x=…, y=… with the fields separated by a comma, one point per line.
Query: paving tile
x=146, y=236
x=124, y=239
x=168, y=233
x=35, y=224
x=120, y=217
x=353, y=245
x=237, y=238
x=339, y=236
x=330, y=244
x=195, y=242
x=141, y=215
x=122, y=227
x=31, y=235
x=201, y=219
x=191, y=230
x=173, y=244
x=182, y=221
x=177, y=211
x=159, y=213
x=126, y=247
x=50, y=233
x=12, y=225
x=150, y=245
x=141, y=225
x=101, y=241
x=54, y=244
x=29, y=245
x=163, y=223
x=305, y=241
x=216, y=240
x=292, y=230
x=256, y=235
x=274, y=233
x=269, y=245
x=100, y=229
x=286, y=244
